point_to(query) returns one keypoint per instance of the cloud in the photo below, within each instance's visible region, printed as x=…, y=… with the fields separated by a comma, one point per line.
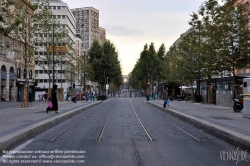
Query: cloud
x=122, y=31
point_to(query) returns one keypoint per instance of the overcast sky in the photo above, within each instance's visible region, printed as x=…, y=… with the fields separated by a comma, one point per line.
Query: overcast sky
x=130, y=24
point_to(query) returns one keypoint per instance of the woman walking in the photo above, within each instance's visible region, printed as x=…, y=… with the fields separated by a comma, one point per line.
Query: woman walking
x=53, y=100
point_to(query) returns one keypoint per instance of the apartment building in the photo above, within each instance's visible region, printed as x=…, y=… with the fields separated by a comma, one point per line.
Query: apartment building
x=87, y=25
x=64, y=77
x=102, y=35
x=17, y=66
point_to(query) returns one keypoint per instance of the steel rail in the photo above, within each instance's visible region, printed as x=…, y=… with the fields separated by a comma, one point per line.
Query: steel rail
x=182, y=130
x=61, y=133
x=143, y=126
x=104, y=125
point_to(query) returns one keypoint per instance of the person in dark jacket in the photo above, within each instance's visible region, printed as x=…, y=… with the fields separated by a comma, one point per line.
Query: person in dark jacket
x=54, y=100
x=165, y=97
x=30, y=96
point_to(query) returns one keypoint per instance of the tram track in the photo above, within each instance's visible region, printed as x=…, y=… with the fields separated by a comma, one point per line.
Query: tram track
x=142, y=124
x=72, y=125
x=173, y=124
x=105, y=123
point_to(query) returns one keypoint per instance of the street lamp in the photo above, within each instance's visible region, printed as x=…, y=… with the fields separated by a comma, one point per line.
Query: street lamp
x=53, y=52
x=26, y=86
x=84, y=89
x=198, y=97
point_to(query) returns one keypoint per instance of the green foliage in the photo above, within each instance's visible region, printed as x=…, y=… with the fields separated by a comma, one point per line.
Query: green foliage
x=103, y=63
x=148, y=68
x=218, y=40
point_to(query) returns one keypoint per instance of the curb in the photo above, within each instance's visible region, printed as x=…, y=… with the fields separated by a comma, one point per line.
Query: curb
x=230, y=136
x=13, y=140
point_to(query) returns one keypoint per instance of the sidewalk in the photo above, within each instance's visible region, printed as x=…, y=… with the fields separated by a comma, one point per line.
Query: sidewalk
x=17, y=124
x=219, y=121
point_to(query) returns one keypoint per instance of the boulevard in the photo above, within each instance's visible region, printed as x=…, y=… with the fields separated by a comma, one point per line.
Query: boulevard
x=124, y=131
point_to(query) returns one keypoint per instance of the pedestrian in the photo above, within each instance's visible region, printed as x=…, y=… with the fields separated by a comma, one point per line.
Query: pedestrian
x=30, y=96
x=165, y=97
x=67, y=99
x=53, y=100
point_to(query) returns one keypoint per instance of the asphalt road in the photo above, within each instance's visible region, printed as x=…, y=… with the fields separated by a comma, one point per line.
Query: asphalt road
x=123, y=141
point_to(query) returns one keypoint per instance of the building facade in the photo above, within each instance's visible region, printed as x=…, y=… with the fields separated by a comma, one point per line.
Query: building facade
x=16, y=62
x=102, y=35
x=64, y=74
x=87, y=25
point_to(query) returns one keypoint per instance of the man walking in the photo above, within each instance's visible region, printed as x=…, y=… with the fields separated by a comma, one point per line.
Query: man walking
x=165, y=97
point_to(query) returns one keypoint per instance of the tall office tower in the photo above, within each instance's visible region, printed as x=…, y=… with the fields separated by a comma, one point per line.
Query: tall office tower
x=87, y=25
x=64, y=77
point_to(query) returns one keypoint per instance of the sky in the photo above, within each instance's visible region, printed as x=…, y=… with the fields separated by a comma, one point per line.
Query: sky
x=130, y=24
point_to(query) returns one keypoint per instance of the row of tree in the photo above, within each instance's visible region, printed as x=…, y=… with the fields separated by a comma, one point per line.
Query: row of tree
x=149, y=68
x=217, y=41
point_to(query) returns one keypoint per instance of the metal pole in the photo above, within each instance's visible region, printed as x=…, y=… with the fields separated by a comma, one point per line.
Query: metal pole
x=25, y=68
x=198, y=85
x=53, y=70
x=84, y=72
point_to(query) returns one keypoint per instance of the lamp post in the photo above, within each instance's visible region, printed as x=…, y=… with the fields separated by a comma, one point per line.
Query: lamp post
x=84, y=89
x=198, y=98
x=26, y=86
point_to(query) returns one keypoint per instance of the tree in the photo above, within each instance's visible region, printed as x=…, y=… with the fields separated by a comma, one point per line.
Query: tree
x=103, y=61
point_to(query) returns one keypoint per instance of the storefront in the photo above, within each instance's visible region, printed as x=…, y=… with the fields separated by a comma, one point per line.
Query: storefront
x=20, y=88
x=220, y=91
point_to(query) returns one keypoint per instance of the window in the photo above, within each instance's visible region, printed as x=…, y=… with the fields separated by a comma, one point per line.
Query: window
x=54, y=7
x=40, y=71
x=36, y=72
x=30, y=74
x=40, y=80
x=45, y=80
x=58, y=7
x=63, y=16
x=18, y=73
x=36, y=62
x=36, y=53
x=45, y=72
x=24, y=74
x=59, y=17
x=63, y=8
